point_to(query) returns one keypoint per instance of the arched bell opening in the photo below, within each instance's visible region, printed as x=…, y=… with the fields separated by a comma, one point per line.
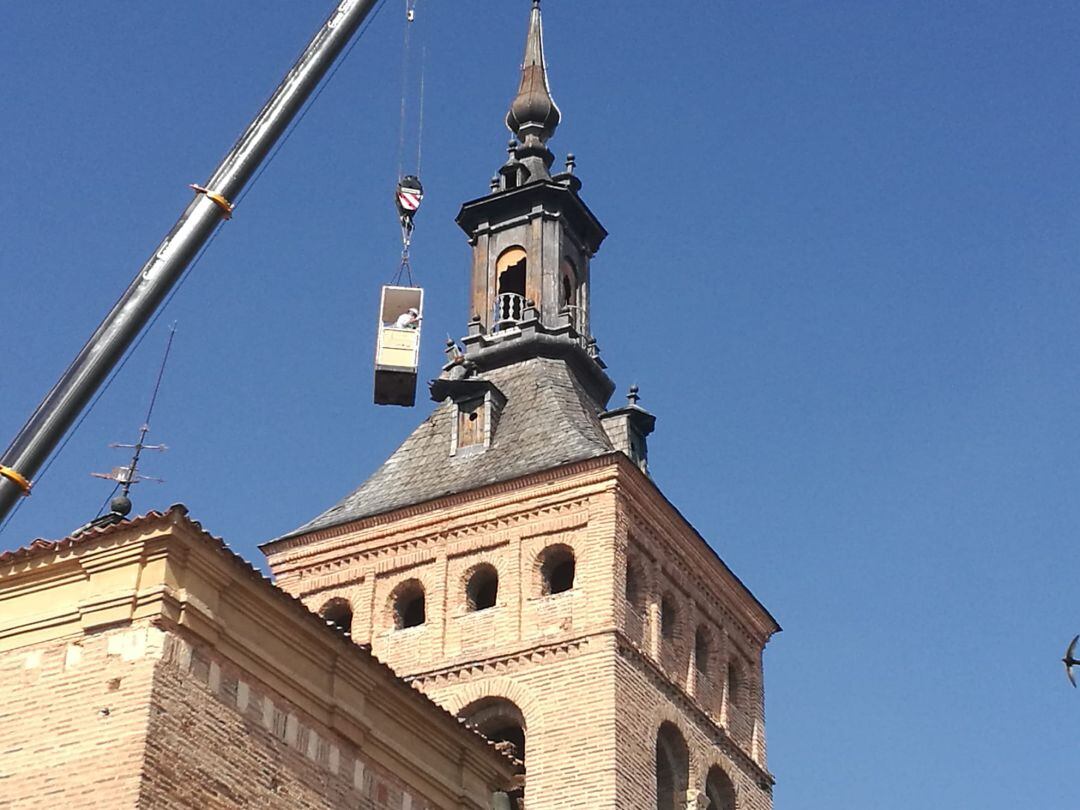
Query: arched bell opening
x=702, y=651
x=558, y=569
x=570, y=294
x=409, y=605
x=510, y=297
x=482, y=588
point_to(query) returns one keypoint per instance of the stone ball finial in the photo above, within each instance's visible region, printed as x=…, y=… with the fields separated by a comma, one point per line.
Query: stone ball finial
x=632, y=397
x=120, y=505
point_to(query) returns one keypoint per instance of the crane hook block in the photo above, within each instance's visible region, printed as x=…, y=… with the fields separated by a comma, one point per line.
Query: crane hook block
x=409, y=195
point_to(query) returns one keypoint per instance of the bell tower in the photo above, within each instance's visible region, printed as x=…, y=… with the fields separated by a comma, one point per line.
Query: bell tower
x=513, y=558
x=532, y=237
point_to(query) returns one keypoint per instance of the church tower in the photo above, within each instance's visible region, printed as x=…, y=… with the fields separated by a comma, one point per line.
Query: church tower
x=514, y=560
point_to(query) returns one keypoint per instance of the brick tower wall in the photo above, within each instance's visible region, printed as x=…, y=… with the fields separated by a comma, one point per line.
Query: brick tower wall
x=567, y=696
x=645, y=702
x=556, y=657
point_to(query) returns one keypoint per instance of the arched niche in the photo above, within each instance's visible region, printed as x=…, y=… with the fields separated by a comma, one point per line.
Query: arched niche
x=672, y=768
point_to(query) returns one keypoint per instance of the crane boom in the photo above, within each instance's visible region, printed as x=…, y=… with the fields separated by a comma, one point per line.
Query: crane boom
x=78, y=384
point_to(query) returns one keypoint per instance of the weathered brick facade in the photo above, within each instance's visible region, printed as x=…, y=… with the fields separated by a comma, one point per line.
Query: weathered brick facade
x=145, y=666
x=591, y=669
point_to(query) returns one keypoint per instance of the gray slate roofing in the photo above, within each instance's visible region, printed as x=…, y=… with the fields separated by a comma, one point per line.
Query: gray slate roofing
x=549, y=420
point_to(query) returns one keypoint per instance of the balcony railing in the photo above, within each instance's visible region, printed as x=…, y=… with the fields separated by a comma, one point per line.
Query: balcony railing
x=509, y=310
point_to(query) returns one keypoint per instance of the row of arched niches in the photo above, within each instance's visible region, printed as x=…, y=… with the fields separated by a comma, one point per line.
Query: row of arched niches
x=662, y=623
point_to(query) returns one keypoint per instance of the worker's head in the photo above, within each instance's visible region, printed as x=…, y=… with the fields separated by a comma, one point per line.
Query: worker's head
x=414, y=311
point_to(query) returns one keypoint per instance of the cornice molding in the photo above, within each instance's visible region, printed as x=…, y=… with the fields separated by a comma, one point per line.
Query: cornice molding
x=444, y=516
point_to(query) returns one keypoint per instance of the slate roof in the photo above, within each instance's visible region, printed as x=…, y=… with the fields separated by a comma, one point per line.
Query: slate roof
x=549, y=420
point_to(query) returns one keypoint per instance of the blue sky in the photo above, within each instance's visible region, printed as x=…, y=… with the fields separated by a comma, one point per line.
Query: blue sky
x=842, y=268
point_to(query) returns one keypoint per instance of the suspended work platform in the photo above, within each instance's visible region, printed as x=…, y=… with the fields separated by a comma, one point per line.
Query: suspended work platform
x=397, y=350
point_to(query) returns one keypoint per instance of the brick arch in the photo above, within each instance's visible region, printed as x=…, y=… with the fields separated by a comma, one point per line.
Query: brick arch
x=669, y=714
x=402, y=589
x=701, y=757
x=702, y=629
x=316, y=602
x=677, y=615
x=704, y=767
x=499, y=687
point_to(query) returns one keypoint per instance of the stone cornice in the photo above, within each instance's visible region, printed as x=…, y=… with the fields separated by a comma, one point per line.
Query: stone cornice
x=548, y=197
x=494, y=663
x=441, y=516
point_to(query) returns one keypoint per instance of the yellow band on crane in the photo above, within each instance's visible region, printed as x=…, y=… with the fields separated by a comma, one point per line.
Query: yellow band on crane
x=21, y=481
x=214, y=197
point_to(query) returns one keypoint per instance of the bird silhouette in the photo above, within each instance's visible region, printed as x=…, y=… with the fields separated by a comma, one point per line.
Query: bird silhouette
x=1069, y=661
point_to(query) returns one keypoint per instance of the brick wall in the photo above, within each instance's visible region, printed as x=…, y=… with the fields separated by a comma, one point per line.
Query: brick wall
x=646, y=700
x=217, y=738
x=566, y=693
x=140, y=717
x=73, y=719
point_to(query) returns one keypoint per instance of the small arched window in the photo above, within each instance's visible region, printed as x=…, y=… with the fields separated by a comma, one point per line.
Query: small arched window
x=409, y=605
x=557, y=569
x=482, y=589
x=338, y=614
x=669, y=618
x=701, y=650
x=566, y=292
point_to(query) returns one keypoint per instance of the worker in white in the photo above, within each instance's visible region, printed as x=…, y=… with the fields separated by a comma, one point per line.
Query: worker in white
x=408, y=320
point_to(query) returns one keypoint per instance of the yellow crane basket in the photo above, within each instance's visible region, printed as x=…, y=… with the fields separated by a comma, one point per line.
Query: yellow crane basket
x=397, y=350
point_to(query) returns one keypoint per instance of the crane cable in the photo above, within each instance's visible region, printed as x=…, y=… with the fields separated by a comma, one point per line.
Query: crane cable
x=409, y=192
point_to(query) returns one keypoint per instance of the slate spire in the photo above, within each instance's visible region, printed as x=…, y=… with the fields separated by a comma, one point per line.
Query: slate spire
x=533, y=114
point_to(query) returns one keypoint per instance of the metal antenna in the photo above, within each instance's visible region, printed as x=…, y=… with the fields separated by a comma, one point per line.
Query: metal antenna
x=129, y=475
